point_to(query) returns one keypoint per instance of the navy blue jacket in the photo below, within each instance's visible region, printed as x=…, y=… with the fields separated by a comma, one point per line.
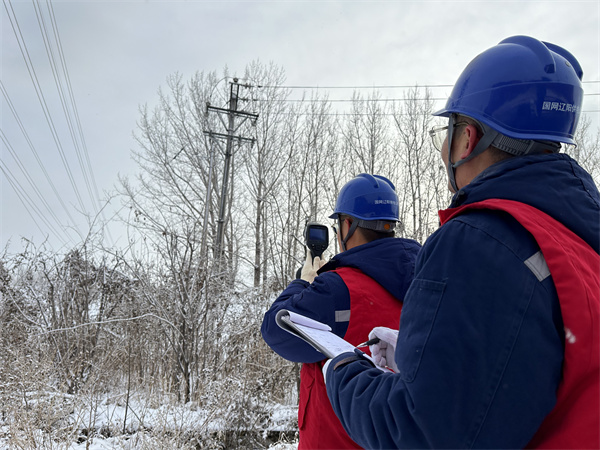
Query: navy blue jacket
x=389, y=261
x=481, y=340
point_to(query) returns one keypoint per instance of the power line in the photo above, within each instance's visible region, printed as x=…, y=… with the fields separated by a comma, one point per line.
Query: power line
x=29, y=179
x=378, y=100
x=63, y=84
x=392, y=100
x=356, y=87
x=382, y=86
x=61, y=93
x=34, y=151
x=352, y=100
x=93, y=189
x=27, y=202
x=41, y=98
x=384, y=114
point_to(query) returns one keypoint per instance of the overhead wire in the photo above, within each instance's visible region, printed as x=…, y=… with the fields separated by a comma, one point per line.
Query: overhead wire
x=70, y=110
x=62, y=97
x=352, y=100
x=41, y=98
x=92, y=188
x=28, y=203
x=379, y=87
x=25, y=172
x=354, y=87
x=382, y=86
x=34, y=151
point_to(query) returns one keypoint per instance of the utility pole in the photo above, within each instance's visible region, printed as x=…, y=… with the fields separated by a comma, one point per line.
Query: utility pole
x=231, y=114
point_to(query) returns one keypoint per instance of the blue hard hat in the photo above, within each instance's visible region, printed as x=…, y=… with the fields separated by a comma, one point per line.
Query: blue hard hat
x=368, y=197
x=523, y=88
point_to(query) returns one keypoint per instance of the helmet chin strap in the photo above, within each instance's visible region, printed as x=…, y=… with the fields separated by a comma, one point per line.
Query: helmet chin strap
x=486, y=140
x=349, y=234
x=491, y=137
x=450, y=166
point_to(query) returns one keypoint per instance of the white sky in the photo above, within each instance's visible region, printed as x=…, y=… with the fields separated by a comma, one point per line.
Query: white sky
x=119, y=53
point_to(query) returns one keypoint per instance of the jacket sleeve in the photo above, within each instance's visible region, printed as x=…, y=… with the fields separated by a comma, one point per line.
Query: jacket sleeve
x=479, y=349
x=319, y=300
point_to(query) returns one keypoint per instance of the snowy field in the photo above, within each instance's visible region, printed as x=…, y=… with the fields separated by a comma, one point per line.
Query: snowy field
x=135, y=443
x=73, y=424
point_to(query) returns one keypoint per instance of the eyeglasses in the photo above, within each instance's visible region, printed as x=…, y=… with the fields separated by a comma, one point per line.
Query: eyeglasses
x=438, y=134
x=334, y=229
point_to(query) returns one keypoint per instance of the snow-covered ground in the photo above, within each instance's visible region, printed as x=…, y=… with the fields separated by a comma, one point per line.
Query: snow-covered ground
x=136, y=442
x=77, y=423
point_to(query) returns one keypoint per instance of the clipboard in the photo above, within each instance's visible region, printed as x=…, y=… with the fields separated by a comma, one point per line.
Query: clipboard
x=317, y=334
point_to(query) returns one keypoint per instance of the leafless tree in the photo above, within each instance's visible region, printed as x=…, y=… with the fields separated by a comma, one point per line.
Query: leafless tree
x=421, y=176
x=366, y=136
x=265, y=162
x=312, y=141
x=587, y=150
x=169, y=207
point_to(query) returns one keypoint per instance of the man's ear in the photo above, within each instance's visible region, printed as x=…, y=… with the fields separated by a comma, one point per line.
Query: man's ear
x=470, y=142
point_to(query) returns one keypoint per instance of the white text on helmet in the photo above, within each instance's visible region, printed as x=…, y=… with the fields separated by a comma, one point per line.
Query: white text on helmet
x=567, y=107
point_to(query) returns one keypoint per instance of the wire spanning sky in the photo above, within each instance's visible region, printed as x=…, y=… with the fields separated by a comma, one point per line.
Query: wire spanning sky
x=74, y=73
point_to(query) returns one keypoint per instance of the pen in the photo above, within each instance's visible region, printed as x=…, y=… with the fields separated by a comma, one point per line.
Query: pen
x=373, y=341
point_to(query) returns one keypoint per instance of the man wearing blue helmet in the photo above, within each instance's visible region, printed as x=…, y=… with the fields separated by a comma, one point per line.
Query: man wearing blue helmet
x=358, y=289
x=499, y=340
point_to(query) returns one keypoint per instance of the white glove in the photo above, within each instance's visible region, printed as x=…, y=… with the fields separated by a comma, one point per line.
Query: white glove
x=383, y=352
x=309, y=270
x=324, y=370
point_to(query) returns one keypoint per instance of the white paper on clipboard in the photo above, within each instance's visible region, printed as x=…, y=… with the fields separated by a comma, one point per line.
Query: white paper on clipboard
x=317, y=334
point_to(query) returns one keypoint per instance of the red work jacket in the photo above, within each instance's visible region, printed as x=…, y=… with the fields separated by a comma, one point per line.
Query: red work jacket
x=574, y=423
x=370, y=306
